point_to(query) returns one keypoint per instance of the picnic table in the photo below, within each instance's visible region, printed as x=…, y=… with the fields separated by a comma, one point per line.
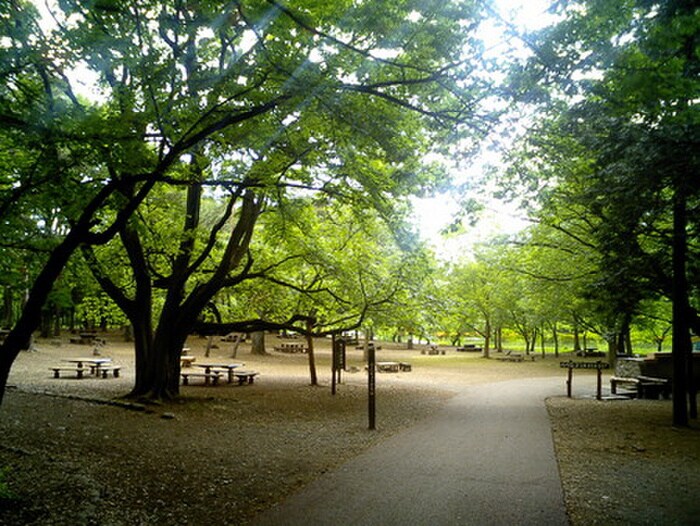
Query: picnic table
x=95, y=366
x=290, y=347
x=590, y=352
x=470, y=347
x=84, y=338
x=393, y=367
x=432, y=350
x=388, y=367
x=213, y=371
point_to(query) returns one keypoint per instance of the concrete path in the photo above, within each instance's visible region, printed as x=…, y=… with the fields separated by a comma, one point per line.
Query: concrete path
x=486, y=458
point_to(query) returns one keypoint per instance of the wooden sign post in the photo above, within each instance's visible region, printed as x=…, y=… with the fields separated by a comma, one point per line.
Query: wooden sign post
x=571, y=365
x=371, y=383
x=338, y=361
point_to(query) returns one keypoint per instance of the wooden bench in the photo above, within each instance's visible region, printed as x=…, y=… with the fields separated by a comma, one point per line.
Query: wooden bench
x=290, y=348
x=388, y=367
x=403, y=366
x=245, y=377
x=104, y=370
x=186, y=361
x=511, y=357
x=644, y=386
x=212, y=378
x=470, y=348
x=80, y=371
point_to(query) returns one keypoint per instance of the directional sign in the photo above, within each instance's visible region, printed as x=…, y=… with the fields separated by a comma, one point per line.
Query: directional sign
x=584, y=365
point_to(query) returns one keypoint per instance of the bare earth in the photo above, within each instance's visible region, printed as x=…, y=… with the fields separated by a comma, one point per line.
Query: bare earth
x=71, y=456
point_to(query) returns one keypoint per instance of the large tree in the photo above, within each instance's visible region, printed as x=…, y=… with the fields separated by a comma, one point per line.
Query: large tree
x=252, y=98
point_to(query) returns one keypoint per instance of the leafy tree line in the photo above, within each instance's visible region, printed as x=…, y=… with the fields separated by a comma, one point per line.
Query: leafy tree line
x=616, y=159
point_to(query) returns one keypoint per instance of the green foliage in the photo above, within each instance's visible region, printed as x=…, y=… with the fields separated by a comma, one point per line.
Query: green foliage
x=607, y=164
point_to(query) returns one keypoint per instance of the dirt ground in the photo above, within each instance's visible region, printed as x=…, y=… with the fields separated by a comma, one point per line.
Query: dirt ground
x=70, y=455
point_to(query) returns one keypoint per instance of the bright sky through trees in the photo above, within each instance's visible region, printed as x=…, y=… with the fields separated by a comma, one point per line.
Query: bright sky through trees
x=432, y=215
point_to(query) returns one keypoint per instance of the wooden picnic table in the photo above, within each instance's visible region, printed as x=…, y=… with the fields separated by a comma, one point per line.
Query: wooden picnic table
x=290, y=347
x=85, y=338
x=96, y=366
x=91, y=362
x=388, y=367
x=229, y=368
x=393, y=367
x=470, y=348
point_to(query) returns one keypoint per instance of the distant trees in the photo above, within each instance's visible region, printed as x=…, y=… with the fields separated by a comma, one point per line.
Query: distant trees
x=619, y=153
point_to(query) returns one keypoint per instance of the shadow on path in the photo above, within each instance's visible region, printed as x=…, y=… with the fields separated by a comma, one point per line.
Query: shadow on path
x=486, y=458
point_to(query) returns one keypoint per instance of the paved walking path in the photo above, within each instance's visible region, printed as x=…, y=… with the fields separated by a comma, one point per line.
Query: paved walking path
x=486, y=458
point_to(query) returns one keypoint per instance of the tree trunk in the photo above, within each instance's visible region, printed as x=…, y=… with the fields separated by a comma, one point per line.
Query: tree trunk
x=681, y=332
x=257, y=342
x=236, y=344
x=542, y=341
x=628, y=341
x=487, y=339
x=7, y=305
x=312, y=357
x=20, y=335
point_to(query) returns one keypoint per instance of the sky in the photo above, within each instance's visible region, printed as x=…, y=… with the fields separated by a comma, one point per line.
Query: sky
x=433, y=214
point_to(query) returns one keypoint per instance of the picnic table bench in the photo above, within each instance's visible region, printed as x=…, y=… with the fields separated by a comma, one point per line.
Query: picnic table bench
x=186, y=361
x=80, y=371
x=209, y=378
x=393, y=367
x=644, y=386
x=510, y=356
x=87, y=338
x=290, y=347
x=433, y=350
x=104, y=370
x=388, y=367
x=245, y=377
x=470, y=348
x=590, y=352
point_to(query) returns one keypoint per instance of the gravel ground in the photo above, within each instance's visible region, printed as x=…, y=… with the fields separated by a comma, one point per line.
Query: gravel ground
x=621, y=462
x=70, y=455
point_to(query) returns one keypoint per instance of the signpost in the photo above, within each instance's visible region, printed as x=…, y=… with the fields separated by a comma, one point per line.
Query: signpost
x=371, y=383
x=338, y=362
x=571, y=365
